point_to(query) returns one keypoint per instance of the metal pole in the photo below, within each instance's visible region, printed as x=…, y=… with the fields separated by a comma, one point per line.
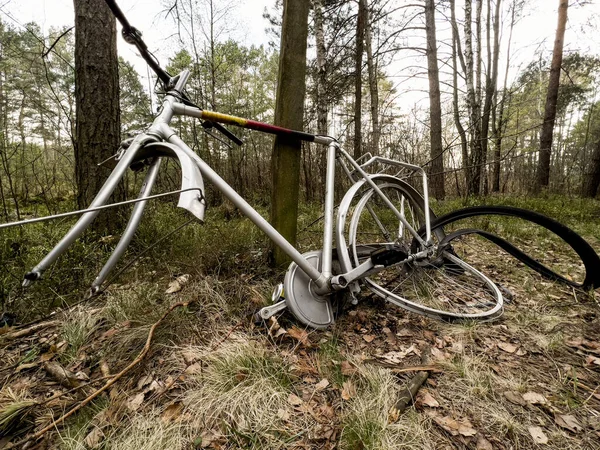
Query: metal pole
x=328, y=213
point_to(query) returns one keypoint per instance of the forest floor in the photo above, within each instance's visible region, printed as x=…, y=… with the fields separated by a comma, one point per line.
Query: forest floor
x=211, y=378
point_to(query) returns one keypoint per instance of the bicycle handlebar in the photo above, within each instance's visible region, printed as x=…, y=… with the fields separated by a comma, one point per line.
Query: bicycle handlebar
x=133, y=36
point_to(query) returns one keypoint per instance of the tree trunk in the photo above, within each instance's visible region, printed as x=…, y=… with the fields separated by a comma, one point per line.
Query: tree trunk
x=97, y=99
x=491, y=83
x=322, y=98
x=543, y=169
x=322, y=69
x=289, y=112
x=435, y=108
x=358, y=62
x=499, y=124
x=591, y=182
x=458, y=55
x=474, y=161
x=373, y=86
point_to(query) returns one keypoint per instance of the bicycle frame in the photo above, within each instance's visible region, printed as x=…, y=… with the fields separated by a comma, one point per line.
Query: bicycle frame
x=160, y=140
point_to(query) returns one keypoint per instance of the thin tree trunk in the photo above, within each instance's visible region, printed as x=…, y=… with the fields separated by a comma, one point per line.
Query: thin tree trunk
x=591, y=181
x=358, y=62
x=289, y=113
x=543, y=169
x=491, y=83
x=474, y=161
x=499, y=124
x=457, y=54
x=435, y=107
x=322, y=101
x=373, y=85
x=321, y=68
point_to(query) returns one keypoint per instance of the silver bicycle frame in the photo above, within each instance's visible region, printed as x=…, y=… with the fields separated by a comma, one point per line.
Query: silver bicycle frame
x=161, y=140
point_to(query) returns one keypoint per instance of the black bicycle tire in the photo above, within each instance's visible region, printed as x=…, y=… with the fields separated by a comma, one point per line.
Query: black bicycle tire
x=589, y=257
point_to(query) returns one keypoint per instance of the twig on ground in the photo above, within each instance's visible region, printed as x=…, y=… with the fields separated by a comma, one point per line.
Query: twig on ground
x=29, y=331
x=112, y=381
x=64, y=376
x=408, y=394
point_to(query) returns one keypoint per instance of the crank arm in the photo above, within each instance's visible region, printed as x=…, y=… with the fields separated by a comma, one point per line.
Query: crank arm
x=269, y=311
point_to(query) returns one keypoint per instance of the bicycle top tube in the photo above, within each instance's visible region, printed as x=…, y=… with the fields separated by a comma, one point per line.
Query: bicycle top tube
x=216, y=117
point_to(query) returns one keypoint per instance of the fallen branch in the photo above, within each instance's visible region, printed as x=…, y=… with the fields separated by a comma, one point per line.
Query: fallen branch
x=29, y=331
x=64, y=376
x=403, y=369
x=112, y=381
x=408, y=394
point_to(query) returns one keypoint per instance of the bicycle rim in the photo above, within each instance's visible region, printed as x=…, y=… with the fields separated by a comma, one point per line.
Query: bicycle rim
x=445, y=286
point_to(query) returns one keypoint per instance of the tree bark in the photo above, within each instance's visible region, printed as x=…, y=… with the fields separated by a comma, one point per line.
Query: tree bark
x=373, y=85
x=358, y=62
x=435, y=108
x=289, y=113
x=499, y=122
x=321, y=68
x=491, y=84
x=458, y=55
x=97, y=99
x=322, y=92
x=591, y=181
x=543, y=169
x=474, y=162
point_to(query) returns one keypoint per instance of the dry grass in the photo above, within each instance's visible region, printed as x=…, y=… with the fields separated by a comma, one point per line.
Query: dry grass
x=237, y=386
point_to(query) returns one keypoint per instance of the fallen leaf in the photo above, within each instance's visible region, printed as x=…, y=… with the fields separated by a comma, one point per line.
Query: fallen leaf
x=507, y=347
x=172, y=412
x=104, y=368
x=397, y=357
x=135, y=402
x=348, y=369
x=300, y=335
x=569, y=422
x=177, y=284
x=368, y=338
x=327, y=411
x=283, y=415
x=94, y=438
x=194, y=369
x=405, y=332
x=393, y=415
x=294, y=400
x=207, y=438
x=467, y=429
x=390, y=337
x=455, y=427
x=426, y=399
x=47, y=356
x=275, y=330
x=538, y=435
x=348, y=390
x=144, y=381
x=515, y=397
x=322, y=384
x=483, y=443
x=533, y=398
x=592, y=360
x=438, y=354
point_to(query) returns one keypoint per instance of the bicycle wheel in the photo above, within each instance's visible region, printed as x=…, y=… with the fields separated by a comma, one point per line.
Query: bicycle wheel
x=540, y=243
x=443, y=285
